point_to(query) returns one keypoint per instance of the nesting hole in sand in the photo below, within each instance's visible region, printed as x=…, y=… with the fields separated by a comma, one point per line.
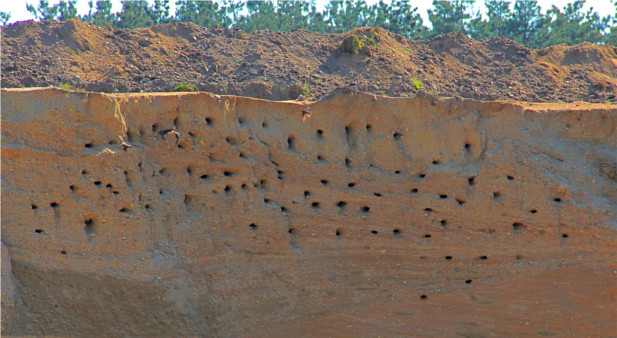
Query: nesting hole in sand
x=467, y=146
x=428, y=210
x=320, y=158
x=109, y=186
x=89, y=226
x=421, y=175
x=377, y=194
x=533, y=211
x=435, y=162
x=155, y=128
x=73, y=187
x=374, y=232
x=228, y=173
x=365, y=209
x=460, y=201
x=34, y=206
x=510, y=178
x=565, y=235
x=85, y=172
x=496, y=195
x=127, y=210
x=423, y=297
x=63, y=252
x=253, y=226
x=347, y=162
x=324, y=182
x=443, y=196
x=147, y=207
x=351, y=184
x=315, y=205
x=557, y=199
x=397, y=172
x=204, y=176
x=88, y=145
x=341, y=204
x=518, y=226
x=209, y=121
x=291, y=143
x=265, y=124
x=319, y=134
x=97, y=183
x=283, y=209
x=471, y=180
x=397, y=136
x=369, y=128
x=227, y=189
x=267, y=200
x=427, y=236
x=307, y=193
x=519, y=257
x=482, y=258
x=414, y=191
x=468, y=281
x=39, y=231
x=448, y=258
x=244, y=186
x=443, y=222
x=280, y=174
x=53, y=204
x=291, y=231
x=396, y=232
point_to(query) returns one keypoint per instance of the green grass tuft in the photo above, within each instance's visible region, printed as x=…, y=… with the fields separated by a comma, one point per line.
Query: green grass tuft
x=183, y=87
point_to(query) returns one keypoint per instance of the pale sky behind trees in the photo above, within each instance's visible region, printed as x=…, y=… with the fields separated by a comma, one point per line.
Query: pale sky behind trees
x=18, y=11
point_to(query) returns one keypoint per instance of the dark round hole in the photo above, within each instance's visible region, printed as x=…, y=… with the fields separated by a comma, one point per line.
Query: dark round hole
x=397, y=172
x=468, y=281
x=427, y=236
x=291, y=230
x=428, y=210
x=396, y=231
x=88, y=145
x=564, y=235
x=374, y=232
x=377, y=194
x=422, y=175
x=97, y=182
x=351, y=185
x=397, y=136
x=467, y=145
x=324, y=182
x=533, y=211
x=72, y=187
x=471, y=180
x=448, y=258
x=283, y=209
x=483, y=257
x=39, y=231
x=338, y=232
x=443, y=222
x=436, y=162
x=341, y=204
x=34, y=206
x=319, y=133
x=510, y=178
x=63, y=252
x=443, y=197
x=208, y=121
x=557, y=199
x=53, y=204
x=315, y=205
x=423, y=297
x=414, y=191
x=307, y=193
x=253, y=226
x=366, y=209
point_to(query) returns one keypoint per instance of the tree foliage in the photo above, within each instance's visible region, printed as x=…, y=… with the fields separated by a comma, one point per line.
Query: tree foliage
x=520, y=20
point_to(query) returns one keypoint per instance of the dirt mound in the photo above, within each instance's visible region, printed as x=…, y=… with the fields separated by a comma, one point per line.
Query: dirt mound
x=279, y=66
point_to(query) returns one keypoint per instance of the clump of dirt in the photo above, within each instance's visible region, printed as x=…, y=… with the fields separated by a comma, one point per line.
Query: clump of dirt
x=281, y=66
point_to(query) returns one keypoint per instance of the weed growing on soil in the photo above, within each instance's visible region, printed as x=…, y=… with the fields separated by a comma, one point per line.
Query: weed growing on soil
x=65, y=86
x=416, y=83
x=183, y=87
x=307, y=89
x=282, y=88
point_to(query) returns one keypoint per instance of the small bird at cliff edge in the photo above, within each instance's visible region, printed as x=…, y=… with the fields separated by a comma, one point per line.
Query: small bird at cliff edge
x=305, y=115
x=170, y=132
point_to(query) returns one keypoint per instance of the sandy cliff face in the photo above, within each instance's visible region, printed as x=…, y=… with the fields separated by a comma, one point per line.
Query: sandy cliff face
x=376, y=215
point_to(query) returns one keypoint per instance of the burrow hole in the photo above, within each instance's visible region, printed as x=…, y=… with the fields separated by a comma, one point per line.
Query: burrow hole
x=427, y=236
x=320, y=158
x=510, y=178
x=34, y=206
x=366, y=209
x=565, y=235
x=324, y=182
x=377, y=194
x=369, y=128
x=319, y=134
x=518, y=226
x=471, y=180
x=468, y=281
x=483, y=257
x=397, y=136
x=228, y=173
x=496, y=195
x=533, y=211
x=209, y=121
x=73, y=187
x=88, y=145
x=307, y=193
x=341, y=204
x=557, y=199
x=89, y=226
x=53, y=204
x=264, y=124
x=347, y=162
x=227, y=189
x=396, y=232
x=435, y=162
x=338, y=232
x=280, y=174
x=467, y=146
x=39, y=231
x=374, y=232
x=291, y=142
x=315, y=205
x=351, y=184
x=253, y=226
x=460, y=201
x=443, y=196
x=127, y=210
x=414, y=191
x=448, y=258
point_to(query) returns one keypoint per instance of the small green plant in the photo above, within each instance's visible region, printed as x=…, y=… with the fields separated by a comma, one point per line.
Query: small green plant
x=183, y=87
x=416, y=83
x=282, y=88
x=65, y=86
x=307, y=89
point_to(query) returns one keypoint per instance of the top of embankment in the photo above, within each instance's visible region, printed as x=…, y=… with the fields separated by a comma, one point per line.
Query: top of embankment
x=281, y=66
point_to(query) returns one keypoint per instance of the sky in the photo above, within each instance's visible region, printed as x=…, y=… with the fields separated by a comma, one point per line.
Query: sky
x=18, y=11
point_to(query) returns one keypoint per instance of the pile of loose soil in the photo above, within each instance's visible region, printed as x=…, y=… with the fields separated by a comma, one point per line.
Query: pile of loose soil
x=285, y=65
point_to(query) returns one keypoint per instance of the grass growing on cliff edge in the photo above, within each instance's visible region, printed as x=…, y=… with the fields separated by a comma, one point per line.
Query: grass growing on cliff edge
x=183, y=87
x=416, y=83
x=65, y=86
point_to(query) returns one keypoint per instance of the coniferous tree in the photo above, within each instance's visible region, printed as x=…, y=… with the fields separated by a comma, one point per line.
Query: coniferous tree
x=450, y=16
